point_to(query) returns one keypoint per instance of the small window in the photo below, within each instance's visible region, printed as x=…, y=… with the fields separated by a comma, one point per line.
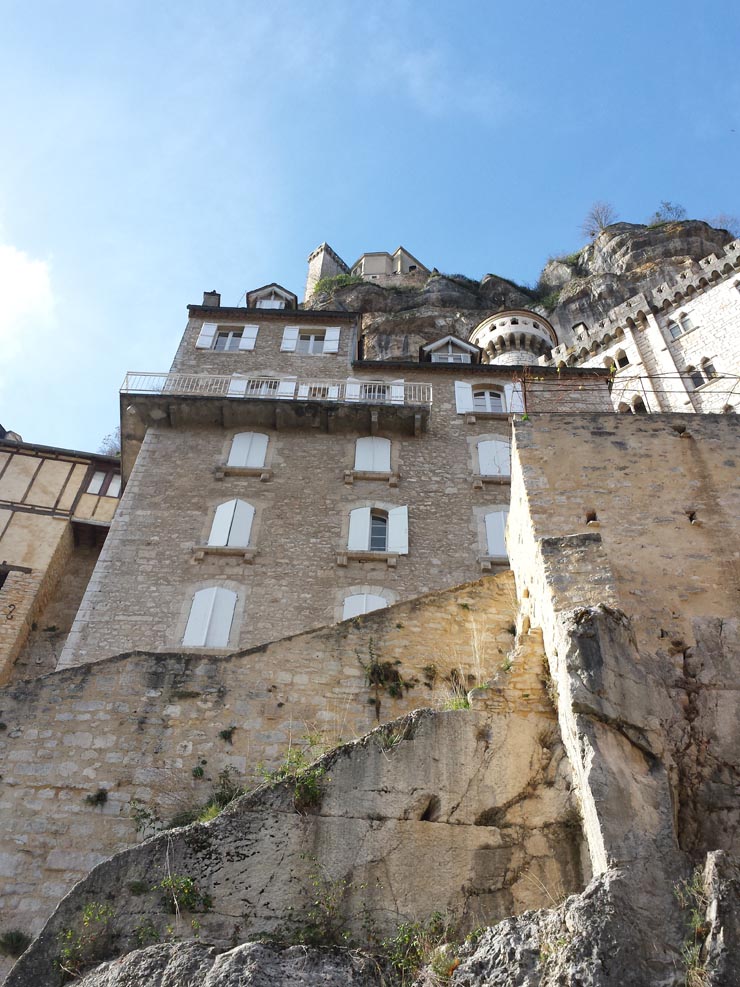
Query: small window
x=227, y=340
x=257, y=387
x=211, y=617
x=696, y=376
x=378, y=531
x=489, y=401
x=496, y=533
x=686, y=324
x=310, y=342
x=232, y=525
x=494, y=457
x=373, y=454
x=412, y=267
x=675, y=330
x=270, y=303
x=105, y=483
x=248, y=450
x=621, y=359
x=708, y=368
x=359, y=603
x=449, y=353
x=638, y=407
x=374, y=392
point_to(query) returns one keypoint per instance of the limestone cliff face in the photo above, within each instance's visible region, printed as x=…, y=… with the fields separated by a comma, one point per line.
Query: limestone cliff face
x=625, y=259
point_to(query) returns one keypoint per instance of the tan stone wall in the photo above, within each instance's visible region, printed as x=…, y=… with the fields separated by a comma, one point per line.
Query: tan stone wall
x=137, y=726
x=639, y=614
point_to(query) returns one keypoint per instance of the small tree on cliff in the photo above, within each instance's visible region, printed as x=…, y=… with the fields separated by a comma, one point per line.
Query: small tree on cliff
x=599, y=216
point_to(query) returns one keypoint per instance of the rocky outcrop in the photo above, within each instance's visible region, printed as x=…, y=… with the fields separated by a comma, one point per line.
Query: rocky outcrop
x=465, y=812
x=247, y=965
x=625, y=259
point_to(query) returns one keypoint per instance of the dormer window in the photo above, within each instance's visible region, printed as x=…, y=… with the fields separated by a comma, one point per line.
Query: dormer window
x=450, y=350
x=271, y=296
x=270, y=303
x=450, y=354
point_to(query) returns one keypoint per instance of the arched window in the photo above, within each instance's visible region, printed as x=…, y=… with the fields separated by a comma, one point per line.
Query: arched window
x=696, y=376
x=686, y=324
x=211, y=616
x=248, y=450
x=373, y=454
x=494, y=457
x=488, y=400
x=496, y=534
x=638, y=407
x=360, y=603
x=621, y=359
x=232, y=524
x=378, y=530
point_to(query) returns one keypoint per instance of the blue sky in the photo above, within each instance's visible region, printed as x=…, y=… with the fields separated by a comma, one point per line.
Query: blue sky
x=151, y=151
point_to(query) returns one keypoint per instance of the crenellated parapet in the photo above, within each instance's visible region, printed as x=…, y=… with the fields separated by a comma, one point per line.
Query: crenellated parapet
x=633, y=313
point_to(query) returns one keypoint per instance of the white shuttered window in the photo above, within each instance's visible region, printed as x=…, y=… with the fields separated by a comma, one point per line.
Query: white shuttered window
x=397, y=530
x=248, y=450
x=211, y=616
x=360, y=603
x=232, y=524
x=249, y=337
x=496, y=533
x=373, y=454
x=494, y=457
x=290, y=339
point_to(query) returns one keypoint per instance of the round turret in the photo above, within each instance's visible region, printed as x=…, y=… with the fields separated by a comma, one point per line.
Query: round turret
x=514, y=337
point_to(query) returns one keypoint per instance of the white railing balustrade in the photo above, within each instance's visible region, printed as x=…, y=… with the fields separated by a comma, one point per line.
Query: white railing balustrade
x=238, y=386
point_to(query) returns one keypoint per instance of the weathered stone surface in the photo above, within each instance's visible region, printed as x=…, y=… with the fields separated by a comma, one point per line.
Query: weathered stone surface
x=248, y=965
x=462, y=811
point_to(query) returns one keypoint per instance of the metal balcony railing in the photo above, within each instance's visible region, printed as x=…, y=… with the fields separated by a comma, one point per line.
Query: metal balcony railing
x=379, y=392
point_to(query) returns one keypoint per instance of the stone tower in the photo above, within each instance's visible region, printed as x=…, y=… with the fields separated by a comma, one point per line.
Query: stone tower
x=323, y=262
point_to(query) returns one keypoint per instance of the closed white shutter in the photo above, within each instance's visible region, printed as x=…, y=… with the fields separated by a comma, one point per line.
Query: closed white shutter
x=303, y=390
x=200, y=617
x=352, y=390
x=241, y=525
x=514, y=398
x=290, y=339
x=397, y=391
x=359, y=603
x=373, y=454
x=248, y=449
x=237, y=386
x=358, y=539
x=205, y=337
x=222, y=615
x=494, y=458
x=286, y=388
x=221, y=525
x=463, y=396
x=333, y=392
x=496, y=533
x=331, y=341
x=249, y=337
x=353, y=606
x=398, y=530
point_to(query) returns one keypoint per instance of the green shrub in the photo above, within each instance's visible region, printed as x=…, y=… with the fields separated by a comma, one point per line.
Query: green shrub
x=330, y=285
x=14, y=942
x=80, y=948
x=181, y=893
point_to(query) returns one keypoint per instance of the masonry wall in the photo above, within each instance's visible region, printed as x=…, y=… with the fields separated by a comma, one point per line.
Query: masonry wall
x=143, y=585
x=136, y=726
x=657, y=569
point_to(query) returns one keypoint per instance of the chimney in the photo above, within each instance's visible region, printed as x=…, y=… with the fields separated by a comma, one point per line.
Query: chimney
x=211, y=299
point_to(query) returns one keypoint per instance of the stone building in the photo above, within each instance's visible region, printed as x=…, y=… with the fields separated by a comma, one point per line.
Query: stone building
x=313, y=540
x=56, y=507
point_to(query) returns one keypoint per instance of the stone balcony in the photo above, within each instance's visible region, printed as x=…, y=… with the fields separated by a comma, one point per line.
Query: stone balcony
x=353, y=404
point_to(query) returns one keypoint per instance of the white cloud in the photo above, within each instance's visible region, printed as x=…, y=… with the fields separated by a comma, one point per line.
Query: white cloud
x=27, y=309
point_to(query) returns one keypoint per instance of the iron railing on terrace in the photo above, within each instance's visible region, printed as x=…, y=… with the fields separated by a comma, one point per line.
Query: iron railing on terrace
x=383, y=392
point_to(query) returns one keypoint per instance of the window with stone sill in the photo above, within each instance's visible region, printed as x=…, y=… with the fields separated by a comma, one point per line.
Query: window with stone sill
x=376, y=533
x=226, y=339
x=310, y=341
